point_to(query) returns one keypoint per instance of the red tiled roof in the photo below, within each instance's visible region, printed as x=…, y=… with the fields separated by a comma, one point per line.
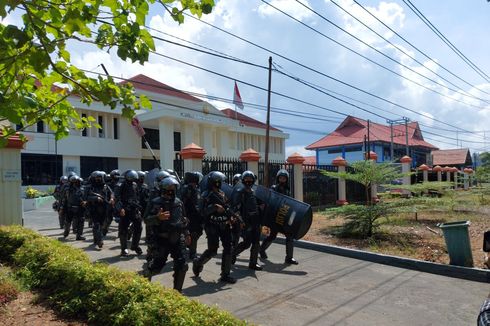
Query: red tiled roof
x=245, y=120
x=352, y=131
x=450, y=156
x=148, y=84
x=310, y=160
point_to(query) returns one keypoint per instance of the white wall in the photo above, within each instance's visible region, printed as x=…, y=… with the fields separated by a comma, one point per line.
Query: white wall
x=10, y=196
x=128, y=164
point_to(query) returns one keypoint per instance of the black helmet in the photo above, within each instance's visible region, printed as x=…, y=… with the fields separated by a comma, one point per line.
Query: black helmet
x=236, y=178
x=131, y=175
x=162, y=175
x=64, y=179
x=97, y=177
x=166, y=183
x=215, y=179
x=195, y=177
x=248, y=174
x=71, y=173
x=73, y=178
x=141, y=176
x=115, y=174
x=282, y=173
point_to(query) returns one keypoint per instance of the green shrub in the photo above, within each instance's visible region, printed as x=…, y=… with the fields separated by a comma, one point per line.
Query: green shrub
x=97, y=292
x=31, y=192
x=9, y=287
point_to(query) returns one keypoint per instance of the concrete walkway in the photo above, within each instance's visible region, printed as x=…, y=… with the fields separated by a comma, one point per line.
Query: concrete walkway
x=322, y=290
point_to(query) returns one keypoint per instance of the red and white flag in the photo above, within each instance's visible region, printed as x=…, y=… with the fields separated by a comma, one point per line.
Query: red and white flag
x=237, y=99
x=135, y=123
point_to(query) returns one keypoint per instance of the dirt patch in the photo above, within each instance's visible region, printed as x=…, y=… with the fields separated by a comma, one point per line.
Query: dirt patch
x=25, y=311
x=405, y=236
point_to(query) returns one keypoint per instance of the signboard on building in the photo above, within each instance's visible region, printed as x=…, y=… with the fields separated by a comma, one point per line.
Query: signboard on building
x=11, y=175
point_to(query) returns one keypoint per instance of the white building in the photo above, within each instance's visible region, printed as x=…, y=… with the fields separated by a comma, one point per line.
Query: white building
x=176, y=120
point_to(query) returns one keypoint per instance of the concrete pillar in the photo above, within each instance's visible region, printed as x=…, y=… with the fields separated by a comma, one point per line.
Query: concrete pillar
x=10, y=182
x=373, y=157
x=297, y=160
x=166, y=128
x=192, y=155
x=224, y=142
x=188, y=133
x=340, y=163
x=252, y=158
x=425, y=171
x=466, y=178
x=455, y=171
x=438, y=169
x=406, y=161
x=207, y=138
x=470, y=177
x=448, y=173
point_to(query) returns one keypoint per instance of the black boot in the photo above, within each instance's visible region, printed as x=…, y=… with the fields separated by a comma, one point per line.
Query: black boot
x=198, y=264
x=289, y=252
x=265, y=245
x=254, y=255
x=193, y=247
x=225, y=270
x=124, y=246
x=179, y=277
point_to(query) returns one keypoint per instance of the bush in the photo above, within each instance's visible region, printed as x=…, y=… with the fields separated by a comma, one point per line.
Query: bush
x=32, y=193
x=97, y=292
x=9, y=288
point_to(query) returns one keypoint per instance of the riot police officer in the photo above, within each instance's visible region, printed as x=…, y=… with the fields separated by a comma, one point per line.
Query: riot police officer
x=236, y=229
x=128, y=209
x=114, y=177
x=58, y=196
x=99, y=198
x=217, y=219
x=165, y=216
x=282, y=187
x=72, y=206
x=247, y=204
x=236, y=179
x=191, y=199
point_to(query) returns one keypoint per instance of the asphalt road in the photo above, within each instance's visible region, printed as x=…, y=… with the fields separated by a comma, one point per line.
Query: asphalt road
x=322, y=290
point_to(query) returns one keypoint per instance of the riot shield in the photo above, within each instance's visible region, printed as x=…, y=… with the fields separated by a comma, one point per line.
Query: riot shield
x=285, y=214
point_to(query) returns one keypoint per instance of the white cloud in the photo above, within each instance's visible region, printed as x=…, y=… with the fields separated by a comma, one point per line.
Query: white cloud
x=289, y=6
x=298, y=149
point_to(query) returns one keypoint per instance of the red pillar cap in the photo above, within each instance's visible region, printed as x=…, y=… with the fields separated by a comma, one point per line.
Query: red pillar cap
x=15, y=141
x=423, y=167
x=339, y=161
x=437, y=168
x=192, y=151
x=295, y=158
x=406, y=159
x=250, y=155
x=372, y=156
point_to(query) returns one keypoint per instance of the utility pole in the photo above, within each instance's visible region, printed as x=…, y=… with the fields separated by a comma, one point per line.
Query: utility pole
x=368, y=141
x=392, y=155
x=406, y=136
x=267, y=129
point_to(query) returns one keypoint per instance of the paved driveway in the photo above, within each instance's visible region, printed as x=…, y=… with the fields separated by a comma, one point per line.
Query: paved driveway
x=322, y=290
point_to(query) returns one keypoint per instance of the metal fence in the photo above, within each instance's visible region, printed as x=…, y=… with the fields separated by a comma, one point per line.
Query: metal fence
x=179, y=165
x=228, y=166
x=274, y=167
x=319, y=189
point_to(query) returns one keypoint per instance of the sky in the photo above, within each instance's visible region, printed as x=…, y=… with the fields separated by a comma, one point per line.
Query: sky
x=423, y=80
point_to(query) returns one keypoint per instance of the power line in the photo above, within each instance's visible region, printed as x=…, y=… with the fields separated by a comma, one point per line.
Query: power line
x=372, y=61
x=405, y=52
x=445, y=40
x=417, y=49
x=321, y=73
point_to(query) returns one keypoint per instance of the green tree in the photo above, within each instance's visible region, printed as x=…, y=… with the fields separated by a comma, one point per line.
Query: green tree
x=37, y=76
x=368, y=173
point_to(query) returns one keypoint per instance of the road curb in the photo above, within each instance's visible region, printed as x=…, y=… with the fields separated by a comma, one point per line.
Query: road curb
x=472, y=274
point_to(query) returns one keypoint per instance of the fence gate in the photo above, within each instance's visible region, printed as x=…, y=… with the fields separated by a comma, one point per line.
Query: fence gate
x=319, y=189
x=179, y=165
x=274, y=167
x=228, y=166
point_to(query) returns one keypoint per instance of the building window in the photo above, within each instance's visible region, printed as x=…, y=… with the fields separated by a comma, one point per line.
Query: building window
x=354, y=149
x=40, y=126
x=84, y=130
x=88, y=164
x=148, y=165
x=101, y=123
x=335, y=151
x=115, y=124
x=153, y=138
x=41, y=169
x=177, y=141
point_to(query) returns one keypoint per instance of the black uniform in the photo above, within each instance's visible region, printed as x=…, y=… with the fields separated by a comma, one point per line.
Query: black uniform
x=282, y=189
x=58, y=196
x=98, y=197
x=168, y=238
x=191, y=200
x=126, y=194
x=111, y=213
x=248, y=205
x=72, y=206
x=217, y=227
